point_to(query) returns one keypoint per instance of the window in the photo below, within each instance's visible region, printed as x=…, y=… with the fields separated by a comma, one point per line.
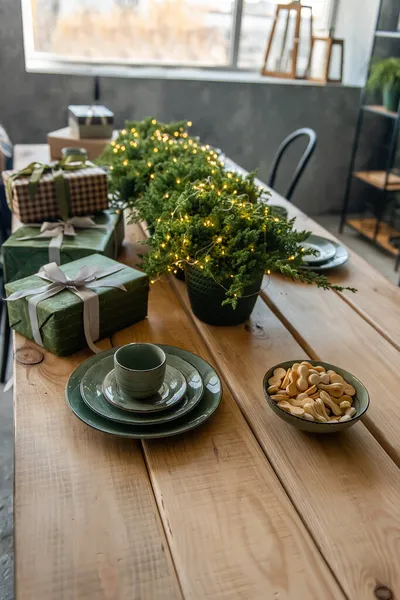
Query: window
x=196, y=33
x=257, y=20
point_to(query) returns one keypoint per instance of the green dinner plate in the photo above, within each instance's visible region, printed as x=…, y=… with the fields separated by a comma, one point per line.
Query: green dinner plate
x=91, y=392
x=203, y=411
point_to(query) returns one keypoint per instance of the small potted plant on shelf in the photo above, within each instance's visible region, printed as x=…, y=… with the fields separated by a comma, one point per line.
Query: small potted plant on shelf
x=225, y=243
x=385, y=76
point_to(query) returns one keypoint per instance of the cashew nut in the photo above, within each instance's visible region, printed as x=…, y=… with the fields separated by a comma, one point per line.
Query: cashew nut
x=308, y=417
x=325, y=397
x=344, y=418
x=311, y=390
x=302, y=383
x=345, y=405
x=273, y=389
x=316, y=378
x=307, y=364
x=277, y=376
x=310, y=410
x=278, y=397
x=291, y=389
x=294, y=410
x=320, y=408
x=334, y=389
x=286, y=379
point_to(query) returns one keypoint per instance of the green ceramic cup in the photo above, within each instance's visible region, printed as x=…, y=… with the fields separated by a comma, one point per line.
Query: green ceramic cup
x=360, y=400
x=140, y=369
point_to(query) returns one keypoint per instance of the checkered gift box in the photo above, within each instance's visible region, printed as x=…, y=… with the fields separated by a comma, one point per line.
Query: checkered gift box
x=88, y=195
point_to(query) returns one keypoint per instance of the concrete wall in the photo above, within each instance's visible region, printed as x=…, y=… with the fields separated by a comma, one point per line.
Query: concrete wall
x=355, y=22
x=248, y=120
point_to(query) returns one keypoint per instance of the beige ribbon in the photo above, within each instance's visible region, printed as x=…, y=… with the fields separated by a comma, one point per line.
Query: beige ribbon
x=56, y=230
x=93, y=113
x=82, y=285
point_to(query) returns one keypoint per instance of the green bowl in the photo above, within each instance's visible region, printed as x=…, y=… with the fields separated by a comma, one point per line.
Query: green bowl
x=360, y=401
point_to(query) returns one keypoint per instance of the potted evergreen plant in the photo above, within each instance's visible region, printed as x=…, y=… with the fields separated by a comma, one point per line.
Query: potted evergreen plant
x=211, y=224
x=225, y=243
x=385, y=77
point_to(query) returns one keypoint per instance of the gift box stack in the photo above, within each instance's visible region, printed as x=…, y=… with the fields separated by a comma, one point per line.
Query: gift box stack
x=63, y=208
x=64, y=288
x=89, y=127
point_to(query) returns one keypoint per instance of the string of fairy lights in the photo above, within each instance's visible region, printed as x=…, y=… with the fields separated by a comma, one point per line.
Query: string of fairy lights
x=237, y=225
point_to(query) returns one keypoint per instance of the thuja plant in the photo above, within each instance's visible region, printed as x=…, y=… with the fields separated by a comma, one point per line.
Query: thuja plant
x=228, y=237
x=200, y=214
x=133, y=158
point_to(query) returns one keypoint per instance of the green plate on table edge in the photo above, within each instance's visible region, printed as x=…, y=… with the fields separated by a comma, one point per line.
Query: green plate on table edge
x=341, y=257
x=203, y=411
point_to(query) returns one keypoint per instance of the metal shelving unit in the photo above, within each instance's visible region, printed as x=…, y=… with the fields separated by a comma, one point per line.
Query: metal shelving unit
x=376, y=228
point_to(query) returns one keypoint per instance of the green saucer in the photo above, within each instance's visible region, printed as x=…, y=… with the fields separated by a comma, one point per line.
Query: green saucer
x=91, y=391
x=324, y=248
x=171, y=392
x=203, y=411
x=338, y=260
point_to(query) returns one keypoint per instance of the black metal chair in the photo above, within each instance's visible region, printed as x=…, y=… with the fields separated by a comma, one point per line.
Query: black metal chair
x=312, y=142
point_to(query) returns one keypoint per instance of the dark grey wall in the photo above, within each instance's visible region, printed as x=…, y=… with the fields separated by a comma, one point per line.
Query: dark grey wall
x=247, y=120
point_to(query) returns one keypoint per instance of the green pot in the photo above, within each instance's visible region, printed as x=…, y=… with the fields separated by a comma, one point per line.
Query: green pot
x=206, y=298
x=391, y=97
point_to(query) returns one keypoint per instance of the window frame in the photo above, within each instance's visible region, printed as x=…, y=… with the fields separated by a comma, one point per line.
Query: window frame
x=36, y=61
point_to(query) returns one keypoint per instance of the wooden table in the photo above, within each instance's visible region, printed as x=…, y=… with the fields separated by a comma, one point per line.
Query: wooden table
x=244, y=507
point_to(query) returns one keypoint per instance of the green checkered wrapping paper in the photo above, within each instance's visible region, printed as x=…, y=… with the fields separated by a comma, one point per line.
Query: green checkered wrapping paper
x=88, y=195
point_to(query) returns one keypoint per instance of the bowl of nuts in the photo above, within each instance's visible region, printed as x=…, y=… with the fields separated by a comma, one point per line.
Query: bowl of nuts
x=315, y=396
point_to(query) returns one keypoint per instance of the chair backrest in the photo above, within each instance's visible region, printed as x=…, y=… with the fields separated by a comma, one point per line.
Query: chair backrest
x=312, y=137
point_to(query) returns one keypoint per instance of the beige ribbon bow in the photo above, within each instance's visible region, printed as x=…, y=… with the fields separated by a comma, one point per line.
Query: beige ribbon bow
x=82, y=285
x=56, y=230
x=93, y=113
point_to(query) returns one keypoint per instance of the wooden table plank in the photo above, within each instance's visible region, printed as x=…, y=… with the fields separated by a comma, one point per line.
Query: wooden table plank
x=86, y=522
x=345, y=487
x=232, y=531
x=378, y=300
x=331, y=330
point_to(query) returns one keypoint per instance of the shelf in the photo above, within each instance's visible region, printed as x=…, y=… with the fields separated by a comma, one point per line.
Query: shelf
x=380, y=110
x=387, y=34
x=377, y=180
x=366, y=227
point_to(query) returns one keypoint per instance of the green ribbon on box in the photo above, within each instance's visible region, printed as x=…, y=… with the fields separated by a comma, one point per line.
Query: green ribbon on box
x=35, y=170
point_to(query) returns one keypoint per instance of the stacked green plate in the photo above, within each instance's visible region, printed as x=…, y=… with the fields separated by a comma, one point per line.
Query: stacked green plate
x=91, y=396
x=326, y=254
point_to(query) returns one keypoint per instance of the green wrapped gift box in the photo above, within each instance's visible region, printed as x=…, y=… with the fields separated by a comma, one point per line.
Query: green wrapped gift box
x=22, y=258
x=60, y=317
